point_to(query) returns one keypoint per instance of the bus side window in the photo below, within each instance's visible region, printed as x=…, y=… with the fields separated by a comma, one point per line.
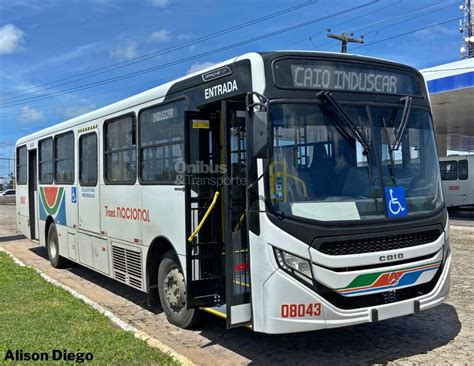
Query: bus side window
x=46, y=161
x=449, y=170
x=88, y=159
x=161, y=143
x=21, y=167
x=462, y=170
x=120, y=158
x=64, y=158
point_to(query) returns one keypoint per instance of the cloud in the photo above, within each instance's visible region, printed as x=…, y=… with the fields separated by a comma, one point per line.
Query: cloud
x=125, y=51
x=185, y=37
x=159, y=3
x=75, y=110
x=30, y=114
x=11, y=39
x=160, y=36
x=199, y=66
x=435, y=32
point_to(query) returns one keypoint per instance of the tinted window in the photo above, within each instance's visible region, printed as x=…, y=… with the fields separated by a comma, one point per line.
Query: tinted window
x=21, y=167
x=161, y=142
x=449, y=170
x=462, y=170
x=120, y=151
x=88, y=160
x=64, y=158
x=46, y=161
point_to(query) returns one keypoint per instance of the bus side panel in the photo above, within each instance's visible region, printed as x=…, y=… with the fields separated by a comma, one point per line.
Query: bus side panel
x=167, y=216
x=123, y=215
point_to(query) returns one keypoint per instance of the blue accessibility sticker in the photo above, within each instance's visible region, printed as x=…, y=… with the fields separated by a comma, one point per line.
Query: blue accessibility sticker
x=73, y=194
x=396, y=202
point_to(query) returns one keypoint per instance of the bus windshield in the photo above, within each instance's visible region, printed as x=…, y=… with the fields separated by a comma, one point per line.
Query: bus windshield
x=319, y=170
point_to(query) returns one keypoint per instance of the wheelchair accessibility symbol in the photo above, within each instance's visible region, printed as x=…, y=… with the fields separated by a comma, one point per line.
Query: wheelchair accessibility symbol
x=396, y=202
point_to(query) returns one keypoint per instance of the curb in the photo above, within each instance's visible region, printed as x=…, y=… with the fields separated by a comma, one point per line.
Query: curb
x=152, y=342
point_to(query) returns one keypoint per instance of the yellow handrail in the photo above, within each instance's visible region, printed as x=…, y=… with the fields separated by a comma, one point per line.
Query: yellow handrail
x=211, y=206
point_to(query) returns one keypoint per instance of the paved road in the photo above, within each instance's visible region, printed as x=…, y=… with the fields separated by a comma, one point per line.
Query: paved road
x=441, y=335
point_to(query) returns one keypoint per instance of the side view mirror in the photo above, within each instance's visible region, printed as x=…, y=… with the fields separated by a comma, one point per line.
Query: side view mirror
x=259, y=134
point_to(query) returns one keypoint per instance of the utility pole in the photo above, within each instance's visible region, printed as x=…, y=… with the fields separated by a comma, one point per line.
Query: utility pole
x=466, y=27
x=345, y=39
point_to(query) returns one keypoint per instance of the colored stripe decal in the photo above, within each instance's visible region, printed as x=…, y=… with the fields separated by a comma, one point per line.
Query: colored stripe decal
x=381, y=280
x=52, y=210
x=369, y=279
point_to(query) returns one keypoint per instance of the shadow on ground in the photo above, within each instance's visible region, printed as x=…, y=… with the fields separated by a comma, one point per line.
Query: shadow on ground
x=362, y=344
x=9, y=238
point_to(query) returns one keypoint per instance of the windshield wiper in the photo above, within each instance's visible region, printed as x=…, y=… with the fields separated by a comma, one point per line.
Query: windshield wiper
x=403, y=123
x=342, y=119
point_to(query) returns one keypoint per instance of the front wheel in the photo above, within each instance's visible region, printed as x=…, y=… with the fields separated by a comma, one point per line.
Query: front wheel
x=53, y=248
x=172, y=291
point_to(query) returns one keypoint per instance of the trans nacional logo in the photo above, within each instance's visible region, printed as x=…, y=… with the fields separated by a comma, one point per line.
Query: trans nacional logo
x=52, y=203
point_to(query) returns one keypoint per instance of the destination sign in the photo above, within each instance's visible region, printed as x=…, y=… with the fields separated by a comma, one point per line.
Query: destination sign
x=345, y=76
x=164, y=114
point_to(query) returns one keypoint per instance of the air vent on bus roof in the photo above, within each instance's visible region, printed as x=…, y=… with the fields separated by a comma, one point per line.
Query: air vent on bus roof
x=127, y=265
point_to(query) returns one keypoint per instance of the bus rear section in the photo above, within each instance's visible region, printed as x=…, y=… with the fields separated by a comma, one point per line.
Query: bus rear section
x=458, y=184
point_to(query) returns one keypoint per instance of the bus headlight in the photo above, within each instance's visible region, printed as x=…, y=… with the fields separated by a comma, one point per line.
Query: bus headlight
x=293, y=264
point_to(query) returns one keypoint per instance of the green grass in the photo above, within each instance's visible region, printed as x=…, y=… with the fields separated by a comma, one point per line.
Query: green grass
x=36, y=316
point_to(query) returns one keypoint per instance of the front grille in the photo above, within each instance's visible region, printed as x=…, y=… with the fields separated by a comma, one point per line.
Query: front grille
x=388, y=297
x=378, y=243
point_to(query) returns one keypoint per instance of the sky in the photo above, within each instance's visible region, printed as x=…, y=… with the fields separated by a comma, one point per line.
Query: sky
x=63, y=58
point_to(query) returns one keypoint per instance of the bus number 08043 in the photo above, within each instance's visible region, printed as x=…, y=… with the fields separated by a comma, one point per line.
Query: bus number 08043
x=300, y=310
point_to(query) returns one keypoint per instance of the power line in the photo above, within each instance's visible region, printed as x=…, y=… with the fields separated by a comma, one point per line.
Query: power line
x=346, y=22
x=410, y=32
x=161, y=80
x=191, y=58
x=365, y=45
x=422, y=9
x=167, y=50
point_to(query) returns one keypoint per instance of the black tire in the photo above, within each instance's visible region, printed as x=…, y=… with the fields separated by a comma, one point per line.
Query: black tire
x=172, y=301
x=52, y=244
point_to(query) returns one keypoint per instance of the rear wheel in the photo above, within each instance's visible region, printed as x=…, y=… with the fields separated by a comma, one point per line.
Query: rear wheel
x=53, y=248
x=172, y=291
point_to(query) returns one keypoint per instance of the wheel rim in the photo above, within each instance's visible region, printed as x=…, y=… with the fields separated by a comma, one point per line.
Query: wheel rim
x=53, y=250
x=174, y=290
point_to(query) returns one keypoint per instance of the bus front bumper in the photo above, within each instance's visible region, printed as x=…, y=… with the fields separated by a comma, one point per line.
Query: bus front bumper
x=290, y=306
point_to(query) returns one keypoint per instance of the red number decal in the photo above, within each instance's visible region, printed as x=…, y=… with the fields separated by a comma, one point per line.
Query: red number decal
x=292, y=311
x=317, y=309
x=300, y=310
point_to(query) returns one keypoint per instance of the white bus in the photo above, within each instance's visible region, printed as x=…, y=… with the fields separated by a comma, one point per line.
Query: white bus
x=286, y=191
x=457, y=183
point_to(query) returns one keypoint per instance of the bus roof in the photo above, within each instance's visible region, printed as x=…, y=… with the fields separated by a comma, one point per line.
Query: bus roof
x=158, y=93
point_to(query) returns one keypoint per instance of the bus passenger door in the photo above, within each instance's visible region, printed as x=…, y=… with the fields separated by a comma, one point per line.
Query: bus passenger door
x=203, y=202
x=88, y=198
x=32, y=193
x=237, y=276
